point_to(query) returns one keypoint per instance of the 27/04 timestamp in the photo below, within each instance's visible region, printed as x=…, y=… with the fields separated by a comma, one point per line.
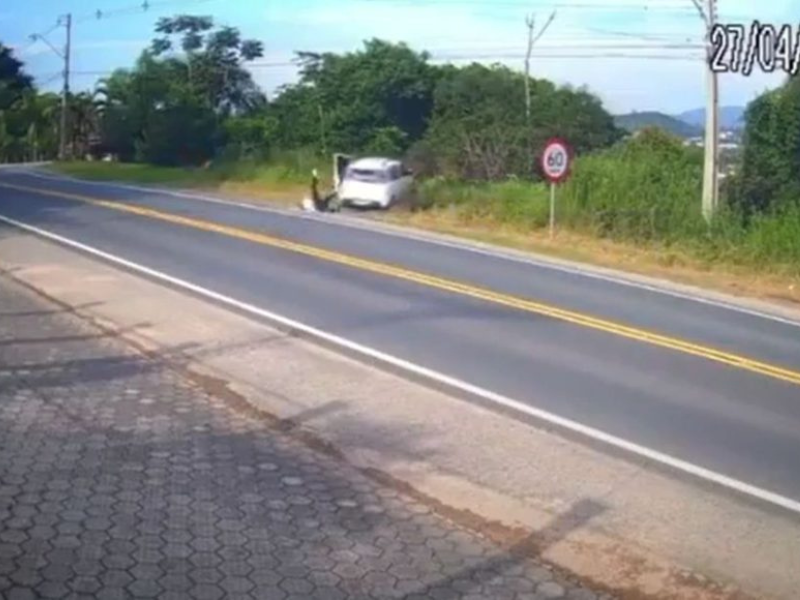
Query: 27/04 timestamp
x=739, y=48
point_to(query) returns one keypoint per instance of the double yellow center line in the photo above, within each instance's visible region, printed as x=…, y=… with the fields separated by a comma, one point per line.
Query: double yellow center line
x=439, y=283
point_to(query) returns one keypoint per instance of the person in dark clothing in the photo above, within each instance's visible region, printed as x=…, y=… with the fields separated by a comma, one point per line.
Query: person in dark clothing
x=322, y=203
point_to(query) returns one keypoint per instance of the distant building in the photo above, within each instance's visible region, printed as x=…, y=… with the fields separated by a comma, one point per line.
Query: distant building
x=728, y=140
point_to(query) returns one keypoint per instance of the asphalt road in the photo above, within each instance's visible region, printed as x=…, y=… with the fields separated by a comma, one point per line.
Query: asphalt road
x=735, y=421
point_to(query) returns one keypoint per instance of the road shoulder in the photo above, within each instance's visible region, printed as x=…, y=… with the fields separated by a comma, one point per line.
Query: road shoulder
x=603, y=518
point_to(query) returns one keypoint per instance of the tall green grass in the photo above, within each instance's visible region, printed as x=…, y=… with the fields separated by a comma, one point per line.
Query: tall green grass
x=136, y=172
x=284, y=168
x=290, y=167
x=605, y=196
x=643, y=192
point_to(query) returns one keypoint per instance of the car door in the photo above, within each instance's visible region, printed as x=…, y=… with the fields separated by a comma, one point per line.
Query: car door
x=396, y=185
x=340, y=164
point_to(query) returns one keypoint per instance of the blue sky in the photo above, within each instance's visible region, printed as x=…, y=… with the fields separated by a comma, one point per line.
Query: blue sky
x=574, y=50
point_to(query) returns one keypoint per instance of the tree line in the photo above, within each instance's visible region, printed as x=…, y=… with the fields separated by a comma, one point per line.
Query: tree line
x=190, y=99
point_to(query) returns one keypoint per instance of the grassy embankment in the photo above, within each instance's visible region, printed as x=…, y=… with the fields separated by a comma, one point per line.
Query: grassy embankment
x=604, y=217
x=287, y=180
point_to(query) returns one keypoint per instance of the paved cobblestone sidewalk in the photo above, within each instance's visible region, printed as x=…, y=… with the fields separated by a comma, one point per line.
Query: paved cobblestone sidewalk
x=121, y=479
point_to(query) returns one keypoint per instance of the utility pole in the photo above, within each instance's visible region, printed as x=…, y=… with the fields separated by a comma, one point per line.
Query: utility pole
x=66, y=21
x=62, y=149
x=711, y=159
x=530, y=22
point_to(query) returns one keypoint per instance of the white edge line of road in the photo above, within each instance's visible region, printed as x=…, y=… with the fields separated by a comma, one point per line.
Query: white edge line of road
x=430, y=375
x=598, y=273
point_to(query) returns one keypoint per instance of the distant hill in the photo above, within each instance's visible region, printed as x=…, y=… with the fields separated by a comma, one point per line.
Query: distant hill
x=639, y=120
x=730, y=117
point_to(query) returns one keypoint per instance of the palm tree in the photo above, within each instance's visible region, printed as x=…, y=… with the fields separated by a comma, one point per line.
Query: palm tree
x=84, y=123
x=41, y=112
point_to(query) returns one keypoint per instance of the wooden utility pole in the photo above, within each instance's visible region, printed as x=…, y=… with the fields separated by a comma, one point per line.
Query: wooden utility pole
x=533, y=37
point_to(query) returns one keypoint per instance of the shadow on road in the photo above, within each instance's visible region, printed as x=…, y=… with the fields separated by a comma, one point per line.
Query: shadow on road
x=54, y=311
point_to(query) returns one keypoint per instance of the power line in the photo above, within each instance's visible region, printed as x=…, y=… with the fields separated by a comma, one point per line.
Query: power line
x=593, y=55
x=51, y=78
x=557, y=4
x=598, y=46
x=462, y=57
x=142, y=7
x=573, y=44
x=678, y=9
x=37, y=37
x=655, y=37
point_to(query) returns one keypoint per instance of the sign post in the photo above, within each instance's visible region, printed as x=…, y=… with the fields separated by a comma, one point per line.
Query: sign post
x=556, y=161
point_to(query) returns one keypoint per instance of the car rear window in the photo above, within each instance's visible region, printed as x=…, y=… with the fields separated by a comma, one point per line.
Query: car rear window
x=367, y=175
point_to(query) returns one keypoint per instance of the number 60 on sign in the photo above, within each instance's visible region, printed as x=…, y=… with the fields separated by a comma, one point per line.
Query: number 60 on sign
x=556, y=159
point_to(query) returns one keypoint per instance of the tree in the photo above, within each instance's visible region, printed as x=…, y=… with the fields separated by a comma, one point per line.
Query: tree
x=84, y=122
x=377, y=98
x=38, y=116
x=22, y=116
x=770, y=172
x=181, y=131
x=171, y=108
x=300, y=118
x=120, y=115
x=214, y=61
x=128, y=101
x=250, y=136
x=479, y=128
x=14, y=82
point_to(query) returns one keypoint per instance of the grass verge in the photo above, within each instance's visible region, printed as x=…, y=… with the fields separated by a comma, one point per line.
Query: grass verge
x=284, y=183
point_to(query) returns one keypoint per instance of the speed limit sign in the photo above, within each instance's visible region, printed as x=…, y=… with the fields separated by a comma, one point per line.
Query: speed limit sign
x=556, y=160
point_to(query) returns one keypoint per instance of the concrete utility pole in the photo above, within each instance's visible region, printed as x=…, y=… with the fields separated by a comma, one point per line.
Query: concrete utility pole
x=710, y=168
x=530, y=22
x=62, y=148
x=66, y=21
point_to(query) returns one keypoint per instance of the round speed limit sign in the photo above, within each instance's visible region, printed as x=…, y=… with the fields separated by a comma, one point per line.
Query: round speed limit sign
x=556, y=160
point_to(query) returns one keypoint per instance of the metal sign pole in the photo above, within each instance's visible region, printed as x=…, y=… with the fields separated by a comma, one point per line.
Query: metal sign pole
x=555, y=163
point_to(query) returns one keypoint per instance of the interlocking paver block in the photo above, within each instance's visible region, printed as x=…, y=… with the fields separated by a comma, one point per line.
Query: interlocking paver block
x=120, y=478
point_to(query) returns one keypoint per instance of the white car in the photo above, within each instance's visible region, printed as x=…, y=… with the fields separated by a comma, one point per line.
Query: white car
x=374, y=182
